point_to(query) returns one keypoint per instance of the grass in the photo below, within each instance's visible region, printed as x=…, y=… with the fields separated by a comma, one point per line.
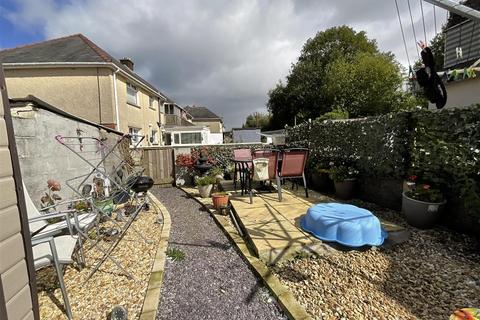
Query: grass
x=175, y=254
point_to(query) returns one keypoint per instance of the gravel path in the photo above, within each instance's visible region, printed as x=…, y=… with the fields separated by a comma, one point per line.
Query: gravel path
x=213, y=281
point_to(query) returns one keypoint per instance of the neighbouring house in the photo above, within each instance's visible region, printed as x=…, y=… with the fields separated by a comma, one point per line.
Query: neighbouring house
x=275, y=137
x=244, y=135
x=201, y=116
x=462, y=64
x=77, y=76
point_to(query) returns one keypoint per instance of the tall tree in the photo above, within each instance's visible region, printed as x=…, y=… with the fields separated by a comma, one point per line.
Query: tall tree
x=332, y=71
x=257, y=120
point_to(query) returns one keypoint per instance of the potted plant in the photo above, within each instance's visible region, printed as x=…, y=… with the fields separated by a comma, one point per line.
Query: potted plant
x=321, y=179
x=220, y=199
x=422, y=204
x=217, y=173
x=344, y=178
x=184, y=169
x=205, y=185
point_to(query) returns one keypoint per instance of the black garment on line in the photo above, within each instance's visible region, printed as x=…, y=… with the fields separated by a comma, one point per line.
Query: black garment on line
x=429, y=80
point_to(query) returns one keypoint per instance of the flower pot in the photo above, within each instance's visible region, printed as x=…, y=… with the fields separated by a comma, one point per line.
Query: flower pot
x=344, y=189
x=219, y=200
x=205, y=190
x=322, y=182
x=421, y=214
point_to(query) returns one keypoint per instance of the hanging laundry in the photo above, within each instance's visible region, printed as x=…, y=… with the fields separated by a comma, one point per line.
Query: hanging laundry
x=429, y=80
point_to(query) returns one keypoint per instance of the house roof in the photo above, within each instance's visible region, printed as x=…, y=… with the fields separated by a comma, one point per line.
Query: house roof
x=201, y=113
x=70, y=49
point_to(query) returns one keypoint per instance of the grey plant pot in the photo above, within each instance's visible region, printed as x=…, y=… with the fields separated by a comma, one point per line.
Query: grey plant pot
x=205, y=190
x=421, y=214
x=344, y=189
x=322, y=182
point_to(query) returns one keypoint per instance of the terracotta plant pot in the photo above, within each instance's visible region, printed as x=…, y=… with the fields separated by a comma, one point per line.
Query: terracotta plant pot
x=205, y=190
x=421, y=214
x=219, y=200
x=344, y=189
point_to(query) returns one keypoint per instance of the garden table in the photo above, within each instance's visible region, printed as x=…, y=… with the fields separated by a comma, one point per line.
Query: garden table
x=244, y=164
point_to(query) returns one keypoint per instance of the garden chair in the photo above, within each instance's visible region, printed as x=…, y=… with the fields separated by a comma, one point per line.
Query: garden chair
x=273, y=156
x=293, y=166
x=49, y=247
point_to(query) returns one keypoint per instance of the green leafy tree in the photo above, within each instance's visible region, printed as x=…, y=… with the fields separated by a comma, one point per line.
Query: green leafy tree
x=257, y=120
x=369, y=84
x=307, y=93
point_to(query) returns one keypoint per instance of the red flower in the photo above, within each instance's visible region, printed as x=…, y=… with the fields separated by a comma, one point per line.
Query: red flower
x=412, y=178
x=426, y=186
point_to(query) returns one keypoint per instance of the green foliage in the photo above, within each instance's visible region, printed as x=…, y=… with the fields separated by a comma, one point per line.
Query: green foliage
x=221, y=155
x=425, y=193
x=441, y=147
x=446, y=152
x=377, y=146
x=215, y=171
x=257, y=120
x=335, y=114
x=338, y=69
x=369, y=84
x=342, y=173
x=175, y=254
x=205, y=181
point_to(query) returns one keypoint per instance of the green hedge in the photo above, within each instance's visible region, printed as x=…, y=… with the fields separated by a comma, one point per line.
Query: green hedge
x=377, y=146
x=441, y=147
x=222, y=154
x=446, y=151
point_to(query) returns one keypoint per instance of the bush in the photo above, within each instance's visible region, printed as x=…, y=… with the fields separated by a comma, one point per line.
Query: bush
x=205, y=181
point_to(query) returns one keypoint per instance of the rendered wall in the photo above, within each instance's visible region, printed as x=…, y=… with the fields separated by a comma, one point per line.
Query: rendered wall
x=215, y=126
x=84, y=92
x=42, y=157
x=463, y=93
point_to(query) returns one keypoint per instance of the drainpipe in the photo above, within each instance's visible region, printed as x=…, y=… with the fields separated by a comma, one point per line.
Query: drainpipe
x=116, y=97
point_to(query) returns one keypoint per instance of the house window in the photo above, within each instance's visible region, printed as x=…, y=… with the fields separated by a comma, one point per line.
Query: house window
x=132, y=94
x=162, y=108
x=169, y=109
x=191, y=137
x=151, y=102
x=176, y=138
x=135, y=135
x=154, y=137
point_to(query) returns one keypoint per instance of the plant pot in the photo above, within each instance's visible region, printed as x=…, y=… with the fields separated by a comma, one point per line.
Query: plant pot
x=421, y=214
x=219, y=200
x=322, y=182
x=205, y=190
x=344, y=189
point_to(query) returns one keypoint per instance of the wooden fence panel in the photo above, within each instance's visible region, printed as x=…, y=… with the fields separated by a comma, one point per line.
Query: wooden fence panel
x=159, y=164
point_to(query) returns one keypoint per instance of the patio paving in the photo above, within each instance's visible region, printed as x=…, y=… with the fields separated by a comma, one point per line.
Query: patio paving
x=272, y=227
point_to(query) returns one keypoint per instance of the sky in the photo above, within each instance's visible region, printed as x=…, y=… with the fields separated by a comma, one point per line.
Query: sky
x=222, y=54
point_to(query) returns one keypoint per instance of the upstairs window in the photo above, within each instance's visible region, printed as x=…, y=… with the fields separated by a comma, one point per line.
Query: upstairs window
x=132, y=93
x=151, y=102
x=169, y=109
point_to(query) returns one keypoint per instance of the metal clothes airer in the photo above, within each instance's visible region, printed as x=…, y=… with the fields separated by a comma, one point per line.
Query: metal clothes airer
x=115, y=189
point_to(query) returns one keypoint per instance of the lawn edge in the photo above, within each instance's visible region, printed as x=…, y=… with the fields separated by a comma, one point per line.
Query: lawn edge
x=152, y=296
x=285, y=298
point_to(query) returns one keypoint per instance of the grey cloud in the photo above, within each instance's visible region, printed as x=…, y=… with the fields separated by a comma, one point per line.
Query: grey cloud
x=225, y=55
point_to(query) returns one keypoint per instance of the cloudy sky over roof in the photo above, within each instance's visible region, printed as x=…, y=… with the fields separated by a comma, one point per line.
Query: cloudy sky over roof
x=224, y=55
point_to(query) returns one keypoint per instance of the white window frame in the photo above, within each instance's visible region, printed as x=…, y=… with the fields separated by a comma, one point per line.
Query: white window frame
x=130, y=96
x=135, y=135
x=151, y=102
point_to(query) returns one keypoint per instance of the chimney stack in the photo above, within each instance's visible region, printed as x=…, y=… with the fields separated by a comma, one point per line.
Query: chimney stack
x=127, y=62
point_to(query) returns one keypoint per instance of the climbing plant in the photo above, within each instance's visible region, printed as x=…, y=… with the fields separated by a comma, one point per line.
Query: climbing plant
x=441, y=147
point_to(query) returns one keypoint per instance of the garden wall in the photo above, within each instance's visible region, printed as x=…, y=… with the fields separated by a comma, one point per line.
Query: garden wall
x=441, y=147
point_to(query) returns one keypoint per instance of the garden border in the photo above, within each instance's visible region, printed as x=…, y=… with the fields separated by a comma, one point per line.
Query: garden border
x=152, y=296
x=285, y=298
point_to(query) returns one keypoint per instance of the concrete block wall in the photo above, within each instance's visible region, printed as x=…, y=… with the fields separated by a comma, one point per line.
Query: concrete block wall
x=42, y=157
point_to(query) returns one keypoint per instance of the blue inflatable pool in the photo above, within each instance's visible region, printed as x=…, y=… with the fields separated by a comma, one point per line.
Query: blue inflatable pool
x=344, y=223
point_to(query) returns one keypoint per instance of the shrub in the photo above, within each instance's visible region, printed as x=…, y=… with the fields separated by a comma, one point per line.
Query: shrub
x=205, y=181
